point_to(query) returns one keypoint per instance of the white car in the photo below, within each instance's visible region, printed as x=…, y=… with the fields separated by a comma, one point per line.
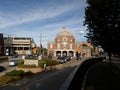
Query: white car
x=13, y=62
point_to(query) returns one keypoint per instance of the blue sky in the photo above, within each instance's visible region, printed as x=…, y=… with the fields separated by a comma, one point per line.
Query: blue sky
x=29, y=18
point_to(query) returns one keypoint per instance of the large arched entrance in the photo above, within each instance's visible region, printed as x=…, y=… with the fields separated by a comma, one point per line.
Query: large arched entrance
x=64, y=53
x=58, y=53
x=71, y=53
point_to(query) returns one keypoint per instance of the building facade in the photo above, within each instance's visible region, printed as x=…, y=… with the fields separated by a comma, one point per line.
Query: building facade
x=65, y=45
x=1, y=44
x=20, y=45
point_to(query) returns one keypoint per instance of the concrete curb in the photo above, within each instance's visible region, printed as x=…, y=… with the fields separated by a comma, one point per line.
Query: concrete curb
x=69, y=79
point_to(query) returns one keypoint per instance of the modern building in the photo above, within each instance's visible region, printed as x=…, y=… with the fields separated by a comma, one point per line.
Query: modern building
x=1, y=44
x=65, y=45
x=20, y=45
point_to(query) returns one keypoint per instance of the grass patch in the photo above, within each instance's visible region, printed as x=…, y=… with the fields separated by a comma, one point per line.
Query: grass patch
x=103, y=76
x=14, y=75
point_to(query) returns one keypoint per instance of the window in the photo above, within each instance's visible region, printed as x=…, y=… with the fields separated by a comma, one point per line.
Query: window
x=58, y=46
x=70, y=46
x=51, y=45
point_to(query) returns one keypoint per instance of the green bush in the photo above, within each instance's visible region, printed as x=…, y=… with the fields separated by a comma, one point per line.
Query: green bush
x=20, y=63
x=15, y=73
x=48, y=62
x=18, y=73
x=14, y=76
x=7, y=79
x=32, y=58
x=41, y=64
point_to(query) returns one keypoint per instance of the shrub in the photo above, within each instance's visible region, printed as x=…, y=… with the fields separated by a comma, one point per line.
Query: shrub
x=20, y=63
x=32, y=58
x=14, y=76
x=18, y=73
x=41, y=64
x=48, y=62
x=28, y=73
x=7, y=79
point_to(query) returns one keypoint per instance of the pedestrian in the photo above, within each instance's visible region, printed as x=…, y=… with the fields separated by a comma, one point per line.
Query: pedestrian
x=77, y=56
x=44, y=67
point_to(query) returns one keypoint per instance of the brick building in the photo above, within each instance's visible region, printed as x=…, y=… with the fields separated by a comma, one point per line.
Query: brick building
x=65, y=45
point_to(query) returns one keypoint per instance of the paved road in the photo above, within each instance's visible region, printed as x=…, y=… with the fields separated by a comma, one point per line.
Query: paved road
x=51, y=80
x=116, y=61
x=5, y=64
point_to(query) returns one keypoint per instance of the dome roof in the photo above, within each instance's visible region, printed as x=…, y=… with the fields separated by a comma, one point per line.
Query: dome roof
x=64, y=33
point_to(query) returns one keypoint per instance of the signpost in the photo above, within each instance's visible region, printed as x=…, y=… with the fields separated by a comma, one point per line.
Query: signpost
x=34, y=51
x=79, y=51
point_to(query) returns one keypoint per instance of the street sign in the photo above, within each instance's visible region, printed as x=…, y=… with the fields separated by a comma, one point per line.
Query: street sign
x=34, y=50
x=78, y=50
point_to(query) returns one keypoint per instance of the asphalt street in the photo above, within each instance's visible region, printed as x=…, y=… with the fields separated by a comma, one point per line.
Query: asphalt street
x=51, y=80
x=8, y=69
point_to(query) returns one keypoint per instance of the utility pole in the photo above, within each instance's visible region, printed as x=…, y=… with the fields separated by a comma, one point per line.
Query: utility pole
x=40, y=42
x=40, y=56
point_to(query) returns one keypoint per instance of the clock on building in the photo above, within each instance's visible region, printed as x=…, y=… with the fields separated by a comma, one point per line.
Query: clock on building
x=65, y=39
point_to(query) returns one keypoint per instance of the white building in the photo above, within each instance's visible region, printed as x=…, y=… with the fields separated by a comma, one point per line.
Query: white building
x=20, y=45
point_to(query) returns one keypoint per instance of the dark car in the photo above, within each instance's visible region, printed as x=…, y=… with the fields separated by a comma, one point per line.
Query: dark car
x=68, y=58
x=2, y=68
x=61, y=60
x=15, y=55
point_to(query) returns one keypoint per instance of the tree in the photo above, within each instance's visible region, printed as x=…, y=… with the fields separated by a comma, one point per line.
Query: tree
x=102, y=18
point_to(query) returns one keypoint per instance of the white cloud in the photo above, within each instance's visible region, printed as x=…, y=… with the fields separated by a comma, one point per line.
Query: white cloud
x=38, y=13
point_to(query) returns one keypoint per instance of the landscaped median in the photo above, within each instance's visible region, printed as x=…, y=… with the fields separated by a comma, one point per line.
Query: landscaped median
x=36, y=66
x=23, y=71
x=14, y=75
x=43, y=65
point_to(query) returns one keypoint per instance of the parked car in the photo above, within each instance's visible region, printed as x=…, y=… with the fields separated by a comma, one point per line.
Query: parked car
x=13, y=62
x=2, y=68
x=61, y=59
x=15, y=55
x=68, y=58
